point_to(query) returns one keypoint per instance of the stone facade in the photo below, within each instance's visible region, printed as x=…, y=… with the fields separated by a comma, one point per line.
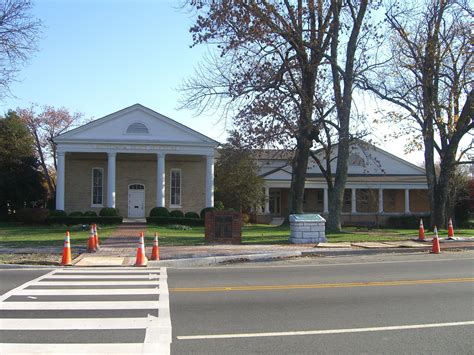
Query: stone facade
x=133, y=169
x=307, y=229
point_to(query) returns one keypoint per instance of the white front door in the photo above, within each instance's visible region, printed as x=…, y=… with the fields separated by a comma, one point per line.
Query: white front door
x=136, y=201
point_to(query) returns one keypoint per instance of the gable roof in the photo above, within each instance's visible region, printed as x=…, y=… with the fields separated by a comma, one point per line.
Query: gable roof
x=374, y=161
x=135, y=123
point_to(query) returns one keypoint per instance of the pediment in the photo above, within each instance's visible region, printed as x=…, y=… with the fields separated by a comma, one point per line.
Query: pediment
x=135, y=124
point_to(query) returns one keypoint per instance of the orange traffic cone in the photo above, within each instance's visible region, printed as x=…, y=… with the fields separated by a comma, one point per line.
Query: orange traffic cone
x=67, y=259
x=450, y=230
x=91, y=247
x=96, y=236
x=141, y=257
x=155, y=252
x=436, y=249
x=421, y=231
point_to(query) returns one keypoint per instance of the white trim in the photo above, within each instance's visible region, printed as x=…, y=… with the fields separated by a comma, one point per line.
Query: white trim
x=92, y=187
x=180, y=188
x=68, y=135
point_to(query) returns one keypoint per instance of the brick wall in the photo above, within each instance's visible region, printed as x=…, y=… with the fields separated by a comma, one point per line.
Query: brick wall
x=141, y=170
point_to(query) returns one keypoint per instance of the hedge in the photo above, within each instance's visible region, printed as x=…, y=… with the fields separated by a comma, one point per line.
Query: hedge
x=108, y=212
x=159, y=212
x=177, y=213
x=204, y=210
x=407, y=222
x=32, y=215
x=195, y=222
x=84, y=220
x=191, y=215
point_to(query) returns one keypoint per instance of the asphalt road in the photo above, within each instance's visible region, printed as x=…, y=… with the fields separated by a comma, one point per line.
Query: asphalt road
x=412, y=303
x=425, y=297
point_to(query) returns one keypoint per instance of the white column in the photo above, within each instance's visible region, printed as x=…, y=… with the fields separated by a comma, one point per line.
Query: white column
x=111, y=179
x=60, y=175
x=325, y=201
x=353, y=201
x=267, y=200
x=380, y=200
x=210, y=181
x=160, y=180
x=407, y=201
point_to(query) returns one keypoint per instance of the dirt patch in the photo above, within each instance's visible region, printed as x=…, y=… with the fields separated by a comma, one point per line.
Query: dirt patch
x=33, y=258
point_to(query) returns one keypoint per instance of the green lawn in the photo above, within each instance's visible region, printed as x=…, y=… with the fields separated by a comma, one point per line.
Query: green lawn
x=265, y=234
x=13, y=235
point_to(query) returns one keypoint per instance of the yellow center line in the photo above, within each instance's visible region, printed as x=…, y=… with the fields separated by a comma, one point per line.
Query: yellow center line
x=319, y=286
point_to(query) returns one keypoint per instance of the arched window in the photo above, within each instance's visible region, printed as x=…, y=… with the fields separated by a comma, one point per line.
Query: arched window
x=137, y=128
x=136, y=187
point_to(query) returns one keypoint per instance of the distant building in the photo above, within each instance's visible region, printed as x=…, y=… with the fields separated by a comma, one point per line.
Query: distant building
x=379, y=185
x=135, y=159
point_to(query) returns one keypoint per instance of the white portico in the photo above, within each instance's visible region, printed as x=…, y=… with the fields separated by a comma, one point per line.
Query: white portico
x=134, y=159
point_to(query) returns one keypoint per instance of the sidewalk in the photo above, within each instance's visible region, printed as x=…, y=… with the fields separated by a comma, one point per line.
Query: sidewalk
x=120, y=249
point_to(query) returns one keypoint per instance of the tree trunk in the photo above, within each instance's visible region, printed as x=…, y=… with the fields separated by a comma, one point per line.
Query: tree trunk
x=298, y=176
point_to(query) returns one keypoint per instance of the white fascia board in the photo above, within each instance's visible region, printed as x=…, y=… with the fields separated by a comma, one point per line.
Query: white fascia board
x=136, y=148
x=285, y=184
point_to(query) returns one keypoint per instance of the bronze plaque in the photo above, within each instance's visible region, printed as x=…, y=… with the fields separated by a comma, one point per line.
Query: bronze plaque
x=223, y=227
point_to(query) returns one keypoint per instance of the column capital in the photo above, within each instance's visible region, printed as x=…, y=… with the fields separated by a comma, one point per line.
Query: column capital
x=111, y=154
x=60, y=153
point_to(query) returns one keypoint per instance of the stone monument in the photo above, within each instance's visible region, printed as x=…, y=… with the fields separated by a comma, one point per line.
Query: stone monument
x=307, y=229
x=223, y=227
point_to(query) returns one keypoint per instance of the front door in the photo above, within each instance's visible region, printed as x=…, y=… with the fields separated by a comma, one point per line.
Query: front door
x=136, y=201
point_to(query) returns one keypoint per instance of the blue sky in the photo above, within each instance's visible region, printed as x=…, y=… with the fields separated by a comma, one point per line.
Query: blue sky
x=99, y=56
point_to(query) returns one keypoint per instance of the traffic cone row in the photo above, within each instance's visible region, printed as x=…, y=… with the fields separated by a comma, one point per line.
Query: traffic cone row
x=421, y=231
x=155, y=251
x=450, y=230
x=92, y=244
x=436, y=249
x=141, y=259
x=67, y=258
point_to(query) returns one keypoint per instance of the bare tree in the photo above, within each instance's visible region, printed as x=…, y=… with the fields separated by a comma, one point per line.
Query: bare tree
x=429, y=78
x=19, y=32
x=273, y=57
x=44, y=126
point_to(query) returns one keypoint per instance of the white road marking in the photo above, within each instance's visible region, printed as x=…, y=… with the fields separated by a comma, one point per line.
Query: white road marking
x=97, y=283
x=326, y=331
x=117, y=348
x=25, y=285
x=73, y=323
x=160, y=327
x=157, y=329
x=102, y=305
x=88, y=291
x=107, y=277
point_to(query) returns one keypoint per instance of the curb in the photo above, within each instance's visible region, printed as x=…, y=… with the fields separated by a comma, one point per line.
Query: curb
x=215, y=260
x=212, y=260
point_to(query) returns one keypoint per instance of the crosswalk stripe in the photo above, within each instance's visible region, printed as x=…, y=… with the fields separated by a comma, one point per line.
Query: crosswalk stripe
x=157, y=329
x=107, y=348
x=97, y=282
x=74, y=323
x=88, y=292
x=106, y=277
x=64, y=305
x=134, y=271
x=102, y=270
